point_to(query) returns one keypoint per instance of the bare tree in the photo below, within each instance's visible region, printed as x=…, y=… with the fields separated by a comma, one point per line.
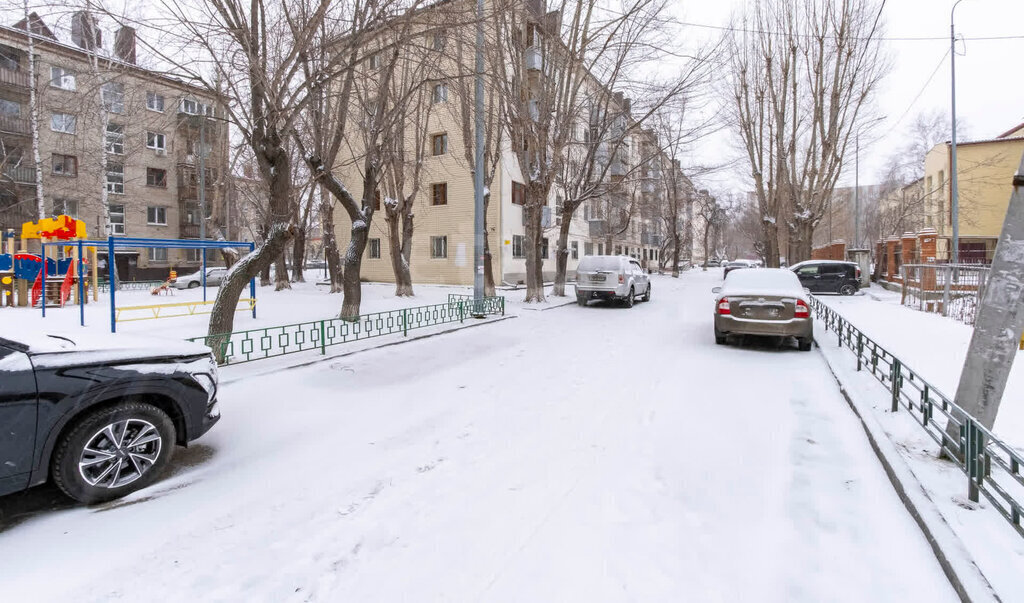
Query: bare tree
x=802, y=76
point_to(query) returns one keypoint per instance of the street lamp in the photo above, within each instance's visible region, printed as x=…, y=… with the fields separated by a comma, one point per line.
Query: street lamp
x=954, y=205
x=856, y=181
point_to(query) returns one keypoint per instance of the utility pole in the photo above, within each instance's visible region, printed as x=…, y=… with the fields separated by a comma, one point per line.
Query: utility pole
x=856, y=191
x=202, y=188
x=954, y=205
x=478, y=172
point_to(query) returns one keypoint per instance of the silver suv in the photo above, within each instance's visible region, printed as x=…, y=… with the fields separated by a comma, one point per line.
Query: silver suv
x=611, y=277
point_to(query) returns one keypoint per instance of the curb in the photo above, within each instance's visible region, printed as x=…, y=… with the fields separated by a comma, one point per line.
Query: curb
x=549, y=306
x=320, y=359
x=964, y=575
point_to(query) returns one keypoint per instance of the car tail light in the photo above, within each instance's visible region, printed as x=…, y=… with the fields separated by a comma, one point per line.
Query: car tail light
x=858, y=272
x=801, y=311
x=723, y=306
x=621, y=279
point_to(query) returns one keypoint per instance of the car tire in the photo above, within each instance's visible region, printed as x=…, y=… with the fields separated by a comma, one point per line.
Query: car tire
x=847, y=289
x=581, y=300
x=647, y=294
x=804, y=344
x=721, y=338
x=86, y=476
x=193, y=284
x=630, y=298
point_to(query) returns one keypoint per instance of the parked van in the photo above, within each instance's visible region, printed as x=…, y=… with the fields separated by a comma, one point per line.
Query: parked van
x=611, y=277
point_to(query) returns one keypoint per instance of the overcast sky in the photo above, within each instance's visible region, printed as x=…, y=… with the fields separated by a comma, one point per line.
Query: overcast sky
x=989, y=74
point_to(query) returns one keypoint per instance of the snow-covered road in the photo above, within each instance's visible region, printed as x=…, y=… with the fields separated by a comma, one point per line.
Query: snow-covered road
x=577, y=454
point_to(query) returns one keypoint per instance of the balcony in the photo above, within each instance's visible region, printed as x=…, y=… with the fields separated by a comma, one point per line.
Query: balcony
x=14, y=125
x=534, y=59
x=15, y=78
x=189, y=231
x=598, y=228
x=20, y=174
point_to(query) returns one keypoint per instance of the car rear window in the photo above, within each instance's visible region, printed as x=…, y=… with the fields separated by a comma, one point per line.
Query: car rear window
x=768, y=279
x=600, y=262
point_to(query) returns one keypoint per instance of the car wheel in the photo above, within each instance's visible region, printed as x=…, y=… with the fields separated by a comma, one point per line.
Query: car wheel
x=647, y=294
x=193, y=284
x=581, y=300
x=630, y=298
x=721, y=338
x=804, y=344
x=113, y=451
x=847, y=289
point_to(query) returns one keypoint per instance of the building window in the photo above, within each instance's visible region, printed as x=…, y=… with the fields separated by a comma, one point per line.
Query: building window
x=10, y=58
x=374, y=61
x=157, y=254
x=439, y=40
x=156, y=216
x=193, y=256
x=544, y=247
x=63, y=122
x=65, y=207
x=112, y=94
x=574, y=250
x=115, y=179
x=440, y=93
x=600, y=249
x=439, y=247
x=156, y=177
x=588, y=249
x=62, y=78
x=374, y=249
x=618, y=250
x=155, y=102
x=518, y=246
x=116, y=212
x=440, y=144
x=191, y=106
x=64, y=165
x=115, y=139
x=9, y=107
x=156, y=140
x=439, y=194
x=518, y=193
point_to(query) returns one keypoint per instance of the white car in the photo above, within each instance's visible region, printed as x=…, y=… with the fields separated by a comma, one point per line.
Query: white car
x=611, y=277
x=214, y=277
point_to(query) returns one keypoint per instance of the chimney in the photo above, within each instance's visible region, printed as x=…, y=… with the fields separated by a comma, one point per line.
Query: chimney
x=124, y=44
x=85, y=31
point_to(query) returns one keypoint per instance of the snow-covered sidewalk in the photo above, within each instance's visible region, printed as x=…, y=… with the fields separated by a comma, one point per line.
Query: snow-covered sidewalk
x=581, y=454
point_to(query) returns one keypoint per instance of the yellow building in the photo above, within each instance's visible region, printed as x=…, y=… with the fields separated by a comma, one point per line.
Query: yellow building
x=985, y=170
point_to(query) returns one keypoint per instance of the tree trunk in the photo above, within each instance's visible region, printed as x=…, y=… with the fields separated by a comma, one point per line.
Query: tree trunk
x=562, y=256
x=675, y=257
x=281, y=273
x=400, y=230
x=334, y=270
x=351, y=285
x=222, y=317
x=800, y=241
x=534, y=263
x=707, y=232
x=299, y=257
x=488, y=270
x=770, y=241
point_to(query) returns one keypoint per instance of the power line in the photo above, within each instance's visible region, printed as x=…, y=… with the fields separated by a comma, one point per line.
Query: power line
x=886, y=39
x=942, y=61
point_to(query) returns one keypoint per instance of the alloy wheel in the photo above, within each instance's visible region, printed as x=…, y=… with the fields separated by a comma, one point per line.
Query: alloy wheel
x=120, y=453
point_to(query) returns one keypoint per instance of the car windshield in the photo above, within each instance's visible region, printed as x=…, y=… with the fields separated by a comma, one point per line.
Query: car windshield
x=736, y=264
x=600, y=262
x=763, y=280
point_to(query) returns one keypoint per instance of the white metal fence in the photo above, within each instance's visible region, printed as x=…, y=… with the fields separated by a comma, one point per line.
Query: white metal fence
x=952, y=290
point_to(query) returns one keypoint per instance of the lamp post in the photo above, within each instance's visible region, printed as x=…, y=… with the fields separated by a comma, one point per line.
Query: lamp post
x=954, y=205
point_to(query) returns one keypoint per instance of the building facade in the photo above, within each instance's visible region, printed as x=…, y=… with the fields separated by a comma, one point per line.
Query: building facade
x=120, y=146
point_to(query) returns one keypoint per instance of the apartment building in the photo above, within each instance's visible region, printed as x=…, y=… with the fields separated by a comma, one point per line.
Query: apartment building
x=624, y=220
x=985, y=171
x=120, y=145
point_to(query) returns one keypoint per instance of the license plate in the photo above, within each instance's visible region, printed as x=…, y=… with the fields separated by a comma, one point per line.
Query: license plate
x=597, y=278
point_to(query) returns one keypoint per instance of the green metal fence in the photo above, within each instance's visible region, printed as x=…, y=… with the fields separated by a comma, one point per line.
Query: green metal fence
x=992, y=467
x=269, y=342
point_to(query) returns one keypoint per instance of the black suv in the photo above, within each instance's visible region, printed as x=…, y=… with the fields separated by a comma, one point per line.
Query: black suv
x=100, y=418
x=828, y=276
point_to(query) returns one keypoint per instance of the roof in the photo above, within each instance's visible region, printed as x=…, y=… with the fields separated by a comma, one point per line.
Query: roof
x=1017, y=129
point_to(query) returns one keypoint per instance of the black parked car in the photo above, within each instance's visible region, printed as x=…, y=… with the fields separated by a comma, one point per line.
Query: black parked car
x=828, y=276
x=99, y=416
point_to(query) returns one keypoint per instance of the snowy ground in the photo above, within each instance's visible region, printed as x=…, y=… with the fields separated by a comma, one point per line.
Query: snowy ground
x=579, y=454
x=933, y=346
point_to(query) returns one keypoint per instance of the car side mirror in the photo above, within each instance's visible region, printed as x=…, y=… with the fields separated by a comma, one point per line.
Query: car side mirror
x=716, y=290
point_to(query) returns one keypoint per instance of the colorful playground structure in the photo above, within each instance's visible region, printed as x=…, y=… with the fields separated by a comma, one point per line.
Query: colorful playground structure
x=22, y=274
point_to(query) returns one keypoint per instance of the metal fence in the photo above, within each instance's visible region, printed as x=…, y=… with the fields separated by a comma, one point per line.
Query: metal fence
x=992, y=467
x=270, y=342
x=952, y=290
x=104, y=286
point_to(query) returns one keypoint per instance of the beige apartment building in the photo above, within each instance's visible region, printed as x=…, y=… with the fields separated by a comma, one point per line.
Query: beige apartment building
x=443, y=243
x=119, y=144
x=985, y=170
